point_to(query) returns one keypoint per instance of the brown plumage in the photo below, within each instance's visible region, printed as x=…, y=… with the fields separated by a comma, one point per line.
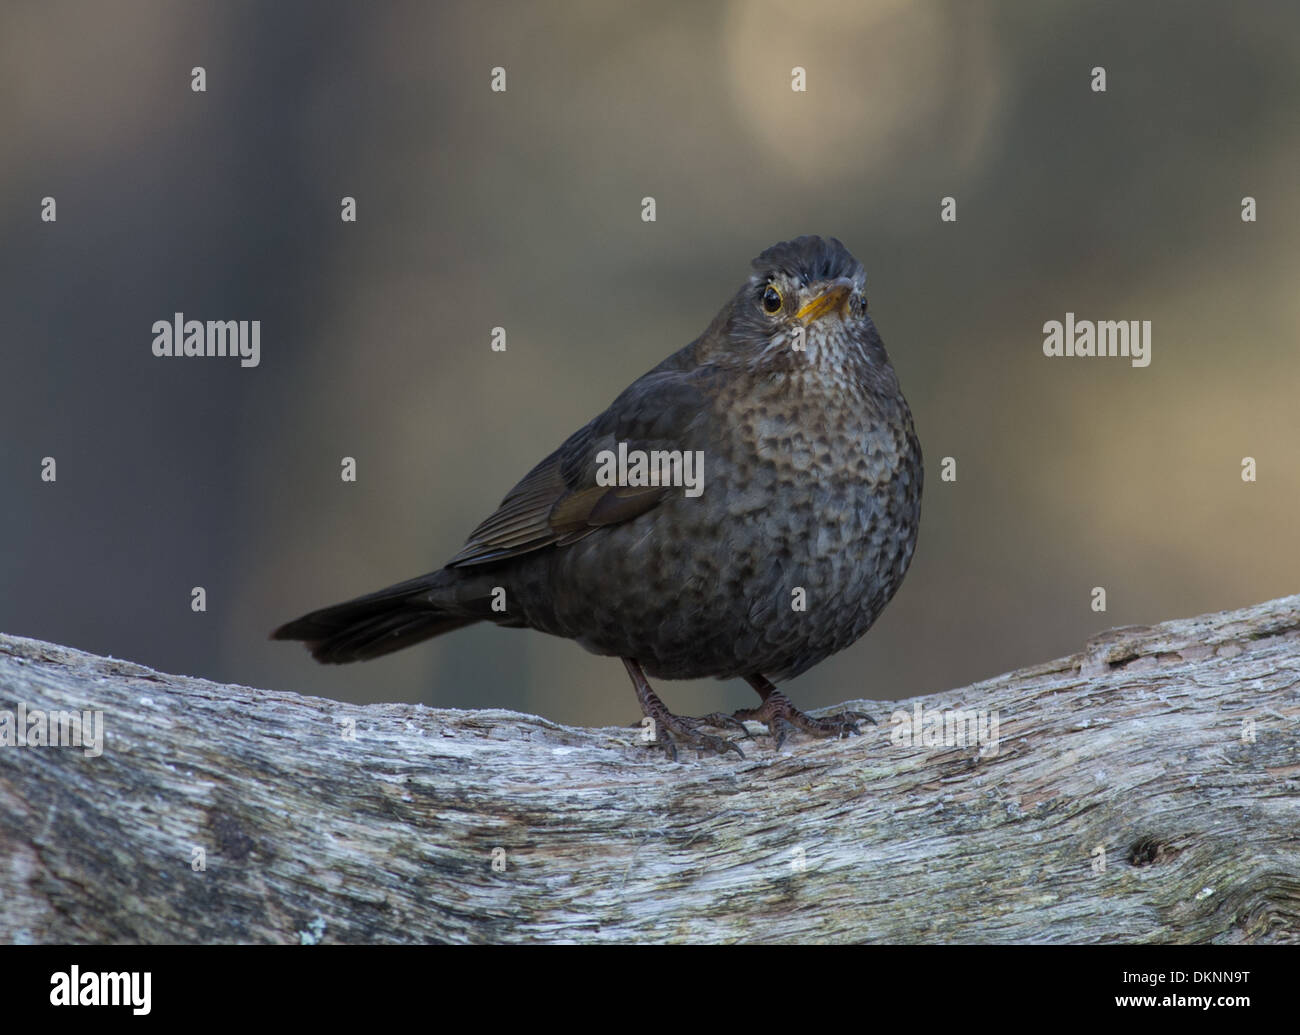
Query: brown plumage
x=811, y=496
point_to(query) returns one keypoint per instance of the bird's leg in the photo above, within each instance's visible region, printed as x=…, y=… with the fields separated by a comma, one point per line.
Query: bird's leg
x=781, y=717
x=670, y=728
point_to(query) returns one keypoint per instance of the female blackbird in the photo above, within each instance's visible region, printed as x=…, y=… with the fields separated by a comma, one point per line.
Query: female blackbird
x=811, y=477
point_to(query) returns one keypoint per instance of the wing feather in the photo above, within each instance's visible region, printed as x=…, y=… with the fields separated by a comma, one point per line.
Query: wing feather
x=558, y=502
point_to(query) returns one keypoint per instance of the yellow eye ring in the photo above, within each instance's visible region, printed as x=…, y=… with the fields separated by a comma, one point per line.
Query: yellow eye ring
x=771, y=299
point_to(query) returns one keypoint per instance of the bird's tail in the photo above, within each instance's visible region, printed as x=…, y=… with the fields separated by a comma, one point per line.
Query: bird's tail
x=388, y=620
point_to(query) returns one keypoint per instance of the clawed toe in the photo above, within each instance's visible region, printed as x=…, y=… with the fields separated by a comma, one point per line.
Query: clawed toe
x=776, y=712
x=673, y=729
x=722, y=720
x=842, y=724
x=781, y=724
x=669, y=739
x=721, y=745
x=670, y=729
x=845, y=727
x=779, y=728
x=781, y=717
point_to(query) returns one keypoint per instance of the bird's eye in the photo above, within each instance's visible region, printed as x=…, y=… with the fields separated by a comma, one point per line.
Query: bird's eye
x=860, y=305
x=771, y=298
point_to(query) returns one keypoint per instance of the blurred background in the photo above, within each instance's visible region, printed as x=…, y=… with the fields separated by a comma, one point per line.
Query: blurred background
x=523, y=209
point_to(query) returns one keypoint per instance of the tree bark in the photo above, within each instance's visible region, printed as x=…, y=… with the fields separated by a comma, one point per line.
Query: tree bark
x=1146, y=789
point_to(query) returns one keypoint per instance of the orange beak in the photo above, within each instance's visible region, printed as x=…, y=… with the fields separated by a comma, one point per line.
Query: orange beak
x=831, y=300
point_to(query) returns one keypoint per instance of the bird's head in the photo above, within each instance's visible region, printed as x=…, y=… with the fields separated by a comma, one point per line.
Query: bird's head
x=805, y=302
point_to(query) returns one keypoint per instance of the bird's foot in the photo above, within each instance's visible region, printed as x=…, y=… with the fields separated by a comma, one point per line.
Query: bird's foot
x=671, y=730
x=720, y=721
x=782, y=718
x=668, y=730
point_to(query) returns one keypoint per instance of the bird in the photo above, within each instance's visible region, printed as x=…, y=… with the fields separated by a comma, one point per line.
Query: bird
x=797, y=529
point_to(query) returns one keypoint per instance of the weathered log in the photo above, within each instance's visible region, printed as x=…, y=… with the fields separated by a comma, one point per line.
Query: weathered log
x=1144, y=790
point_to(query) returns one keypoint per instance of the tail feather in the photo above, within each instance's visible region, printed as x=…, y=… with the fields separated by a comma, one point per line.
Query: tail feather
x=379, y=623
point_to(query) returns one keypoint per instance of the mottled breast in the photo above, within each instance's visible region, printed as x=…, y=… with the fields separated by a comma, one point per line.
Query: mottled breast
x=804, y=530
